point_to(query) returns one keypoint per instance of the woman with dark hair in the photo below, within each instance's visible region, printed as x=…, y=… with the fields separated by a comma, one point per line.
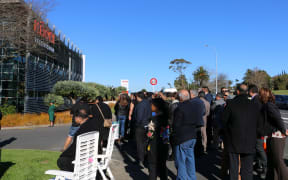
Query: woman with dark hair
x=99, y=99
x=97, y=110
x=158, y=140
x=275, y=129
x=122, y=112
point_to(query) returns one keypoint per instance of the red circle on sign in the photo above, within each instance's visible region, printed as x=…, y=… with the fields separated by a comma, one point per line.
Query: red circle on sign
x=153, y=81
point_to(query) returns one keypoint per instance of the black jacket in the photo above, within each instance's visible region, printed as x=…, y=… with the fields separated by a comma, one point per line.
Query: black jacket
x=88, y=126
x=158, y=149
x=142, y=113
x=98, y=119
x=172, y=108
x=188, y=116
x=260, y=124
x=240, y=119
x=272, y=119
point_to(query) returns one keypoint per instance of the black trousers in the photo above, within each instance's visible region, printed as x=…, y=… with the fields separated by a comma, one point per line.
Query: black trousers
x=157, y=157
x=141, y=142
x=261, y=157
x=65, y=164
x=277, y=169
x=246, y=170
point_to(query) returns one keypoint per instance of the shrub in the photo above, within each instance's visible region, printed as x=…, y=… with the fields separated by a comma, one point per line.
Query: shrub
x=58, y=100
x=13, y=120
x=8, y=109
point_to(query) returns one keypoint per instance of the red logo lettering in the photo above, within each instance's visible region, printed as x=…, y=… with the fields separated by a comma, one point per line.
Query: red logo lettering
x=43, y=31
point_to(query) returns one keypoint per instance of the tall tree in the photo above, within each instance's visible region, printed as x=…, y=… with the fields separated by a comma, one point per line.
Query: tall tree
x=181, y=82
x=258, y=77
x=201, y=76
x=280, y=82
x=179, y=66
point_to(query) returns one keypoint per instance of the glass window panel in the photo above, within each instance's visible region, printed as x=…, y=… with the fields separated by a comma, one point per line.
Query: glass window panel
x=9, y=85
x=9, y=93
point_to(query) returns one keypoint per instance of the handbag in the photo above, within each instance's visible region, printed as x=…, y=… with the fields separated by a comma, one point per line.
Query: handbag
x=107, y=122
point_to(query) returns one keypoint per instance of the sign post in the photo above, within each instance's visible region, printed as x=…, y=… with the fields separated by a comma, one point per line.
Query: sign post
x=153, y=82
x=125, y=83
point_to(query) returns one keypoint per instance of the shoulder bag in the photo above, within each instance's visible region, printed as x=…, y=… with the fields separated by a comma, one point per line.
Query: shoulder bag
x=107, y=122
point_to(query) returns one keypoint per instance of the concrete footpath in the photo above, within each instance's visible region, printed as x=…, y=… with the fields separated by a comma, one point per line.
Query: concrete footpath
x=123, y=166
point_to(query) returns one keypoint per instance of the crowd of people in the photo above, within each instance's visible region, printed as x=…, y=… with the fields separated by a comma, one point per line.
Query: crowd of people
x=176, y=126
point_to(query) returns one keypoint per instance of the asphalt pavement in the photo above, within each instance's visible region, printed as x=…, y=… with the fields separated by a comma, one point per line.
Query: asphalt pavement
x=284, y=114
x=123, y=166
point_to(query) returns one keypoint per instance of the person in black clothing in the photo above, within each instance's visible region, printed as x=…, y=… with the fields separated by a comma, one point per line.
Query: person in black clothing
x=240, y=118
x=172, y=107
x=261, y=158
x=99, y=121
x=86, y=125
x=75, y=126
x=159, y=142
x=131, y=117
x=274, y=128
x=142, y=116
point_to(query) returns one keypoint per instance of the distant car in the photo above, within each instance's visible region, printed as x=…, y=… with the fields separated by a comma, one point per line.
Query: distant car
x=281, y=101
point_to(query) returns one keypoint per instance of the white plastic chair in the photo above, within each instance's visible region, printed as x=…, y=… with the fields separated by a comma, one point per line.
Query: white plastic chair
x=85, y=164
x=106, y=157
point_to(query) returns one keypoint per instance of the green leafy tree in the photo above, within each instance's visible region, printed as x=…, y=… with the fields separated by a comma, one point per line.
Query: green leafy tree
x=258, y=77
x=179, y=66
x=201, y=76
x=74, y=90
x=280, y=82
x=58, y=100
x=99, y=87
x=181, y=82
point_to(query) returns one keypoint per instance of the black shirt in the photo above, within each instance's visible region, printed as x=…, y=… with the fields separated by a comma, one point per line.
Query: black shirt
x=143, y=113
x=88, y=126
x=188, y=116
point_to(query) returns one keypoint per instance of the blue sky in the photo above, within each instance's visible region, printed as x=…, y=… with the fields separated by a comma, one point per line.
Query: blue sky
x=136, y=39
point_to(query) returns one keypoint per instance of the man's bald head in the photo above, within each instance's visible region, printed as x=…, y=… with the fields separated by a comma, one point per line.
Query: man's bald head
x=242, y=89
x=184, y=95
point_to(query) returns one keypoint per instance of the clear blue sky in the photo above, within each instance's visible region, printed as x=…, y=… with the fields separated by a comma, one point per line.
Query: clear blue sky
x=136, y=39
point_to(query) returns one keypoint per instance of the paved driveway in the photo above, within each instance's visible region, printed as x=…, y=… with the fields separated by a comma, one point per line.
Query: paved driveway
x=123, y=167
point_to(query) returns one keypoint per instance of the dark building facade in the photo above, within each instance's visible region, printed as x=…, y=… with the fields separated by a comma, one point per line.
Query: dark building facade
x=33, y=58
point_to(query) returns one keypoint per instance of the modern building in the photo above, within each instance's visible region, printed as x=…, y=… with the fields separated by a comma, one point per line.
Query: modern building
x=32, y=57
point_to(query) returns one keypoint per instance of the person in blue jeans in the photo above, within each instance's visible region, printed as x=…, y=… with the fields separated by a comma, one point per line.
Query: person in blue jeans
x=188, y=116
x=122, y=111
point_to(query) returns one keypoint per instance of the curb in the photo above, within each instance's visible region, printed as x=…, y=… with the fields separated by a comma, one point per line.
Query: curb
x=35, y=126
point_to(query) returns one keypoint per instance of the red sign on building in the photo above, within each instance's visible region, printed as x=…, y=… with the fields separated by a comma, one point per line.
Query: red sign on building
x=42, y=30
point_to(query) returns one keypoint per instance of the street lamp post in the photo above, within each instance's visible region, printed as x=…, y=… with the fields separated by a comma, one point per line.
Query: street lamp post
x=216, y=59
